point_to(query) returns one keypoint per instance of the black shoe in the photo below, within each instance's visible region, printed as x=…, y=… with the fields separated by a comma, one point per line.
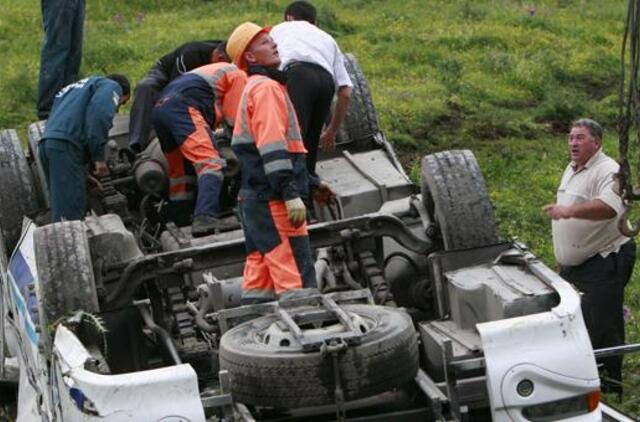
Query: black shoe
x=203, y=225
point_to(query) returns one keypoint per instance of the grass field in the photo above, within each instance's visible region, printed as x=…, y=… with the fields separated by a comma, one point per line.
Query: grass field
x=502, y=77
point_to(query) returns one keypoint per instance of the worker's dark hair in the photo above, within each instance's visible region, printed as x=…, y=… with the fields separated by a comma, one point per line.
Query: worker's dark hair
x=122, y=81
x=221, y=50
x=594, y=128
x=301, y=11
x=222, y=47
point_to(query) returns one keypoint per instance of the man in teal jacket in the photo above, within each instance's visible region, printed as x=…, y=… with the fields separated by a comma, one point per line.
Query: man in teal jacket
x=75, y=135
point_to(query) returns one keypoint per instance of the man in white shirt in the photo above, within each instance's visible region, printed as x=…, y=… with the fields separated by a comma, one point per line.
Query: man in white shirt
x=589, y=248
x=315, y=67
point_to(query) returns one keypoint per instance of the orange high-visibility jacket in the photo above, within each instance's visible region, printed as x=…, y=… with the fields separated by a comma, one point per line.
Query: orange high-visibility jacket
x=267, y=141
x=226, y=82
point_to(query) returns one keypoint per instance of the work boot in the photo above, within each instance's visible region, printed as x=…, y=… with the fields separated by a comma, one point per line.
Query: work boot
x=228, y=223
x=203, y=225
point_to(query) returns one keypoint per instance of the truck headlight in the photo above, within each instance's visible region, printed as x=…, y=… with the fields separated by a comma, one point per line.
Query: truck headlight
x=525, y=388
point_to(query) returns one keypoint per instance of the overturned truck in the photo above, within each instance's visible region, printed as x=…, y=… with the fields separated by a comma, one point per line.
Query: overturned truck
x=423, y=311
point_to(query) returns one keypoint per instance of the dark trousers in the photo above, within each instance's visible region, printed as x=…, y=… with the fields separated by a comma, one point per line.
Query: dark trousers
x=145, y=95
x=65, y=169
x=602, y=281
x=311, y=90
x=61, y=49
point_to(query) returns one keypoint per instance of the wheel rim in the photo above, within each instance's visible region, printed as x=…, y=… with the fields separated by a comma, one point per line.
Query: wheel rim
x=277, y=336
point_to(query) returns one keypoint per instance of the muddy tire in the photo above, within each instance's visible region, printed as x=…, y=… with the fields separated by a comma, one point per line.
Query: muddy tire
x=18, y=194
x=361, y=123
x=283, y=376
x=35, y=132
x=455, y=195
x=65, y=274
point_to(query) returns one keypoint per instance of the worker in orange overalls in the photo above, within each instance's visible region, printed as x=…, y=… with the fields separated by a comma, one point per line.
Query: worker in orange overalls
x=275, y=180
x=189, y=108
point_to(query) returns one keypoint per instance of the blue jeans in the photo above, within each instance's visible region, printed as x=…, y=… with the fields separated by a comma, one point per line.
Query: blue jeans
x=65, y=169
x=61, y=49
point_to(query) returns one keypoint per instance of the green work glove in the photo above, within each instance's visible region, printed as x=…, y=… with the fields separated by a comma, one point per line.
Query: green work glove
x=296, y=211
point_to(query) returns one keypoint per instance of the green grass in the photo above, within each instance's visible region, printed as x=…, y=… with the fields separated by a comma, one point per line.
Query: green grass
x=485, y=75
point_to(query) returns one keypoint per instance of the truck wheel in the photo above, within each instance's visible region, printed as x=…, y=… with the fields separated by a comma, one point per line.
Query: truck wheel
x=269, y=368
x=35, y=132
x=18, y=194
x=361, y=123
x=65, y=274
x=455, y=195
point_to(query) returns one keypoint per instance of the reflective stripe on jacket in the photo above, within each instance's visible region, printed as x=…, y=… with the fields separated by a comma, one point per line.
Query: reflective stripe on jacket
x=267, y=141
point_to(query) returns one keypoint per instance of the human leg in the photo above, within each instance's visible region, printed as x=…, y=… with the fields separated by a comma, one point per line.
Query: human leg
x=182, y=129
x=145, y=95
x=182, y=179
x=601, y=281
x=290, y=262
x=320, y=111
x=199, y=150
x=66, y=176
x=302, y=89
x=257, y=286
x=56, y=14
x=279, y=255
x=602, y=312
x=72, y=68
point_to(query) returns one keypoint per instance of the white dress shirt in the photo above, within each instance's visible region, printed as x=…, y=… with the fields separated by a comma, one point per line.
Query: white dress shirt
x=301, y=41
x=576, y=240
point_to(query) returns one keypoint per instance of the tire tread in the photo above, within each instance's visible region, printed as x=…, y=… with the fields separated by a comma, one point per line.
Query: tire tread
x=65, y=273
x=361, y=123
x=18, y=195
x=306, y=379
x=462, y=207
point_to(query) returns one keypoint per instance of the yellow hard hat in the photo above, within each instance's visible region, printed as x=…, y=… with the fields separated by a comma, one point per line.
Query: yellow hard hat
x=240, y=39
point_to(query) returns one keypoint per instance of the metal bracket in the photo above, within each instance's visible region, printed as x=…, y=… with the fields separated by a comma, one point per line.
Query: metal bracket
x=213, y=292
x=451, y=379
x=617, y=350
x=226, y=317
x=433, y=393
x=222, y=400
x=427, y=223
x=334, y=347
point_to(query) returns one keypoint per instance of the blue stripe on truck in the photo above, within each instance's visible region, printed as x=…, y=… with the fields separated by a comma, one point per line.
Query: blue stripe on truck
x=20, y=277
